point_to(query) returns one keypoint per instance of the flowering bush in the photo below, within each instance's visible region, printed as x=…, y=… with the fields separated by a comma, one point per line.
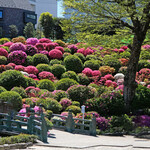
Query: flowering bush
x=46, y=75
x=142, y=120
x=3, y=52
x=70, y=74
x=55, y=54
x=85, y=52
x=8, y=44
x=33, y=76
x=44, y=52
x=31, y=70
x=143, y=74
x=50, y=46
x=96, y=73
x=106, y=70
x=31, y=50
x=88, y=72
x=17, y=57
x=12, y=65
x=19, y=39
x=44, y=40
x=59, y=94
x=124, y=61
x=19, y=67
x=32, y=41
x=32, y=91
x=17, y=47
x=109, y=77
x=65, y=102
x=60, y=48
x=73, y=48
x=39, y=46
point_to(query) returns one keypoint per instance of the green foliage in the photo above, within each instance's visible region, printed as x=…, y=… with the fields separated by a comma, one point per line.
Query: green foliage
x=50, y=104
x=144, y=55
x=49, y=114
x=83, y=79
x=70, y=74
x=125, y=54
x=13, y=98
x=29, y=30
x=81, y=56
x=48, y=123
x=43, y=67
x=75, y=109
x=76, y=103
x=13, y=31
x=67, y=50
x=47, y=23
x=4, y=40
x=28, y=61
x=141, y=99
x=21, y=138
x=31, y=82
x=93, y=64
x=73, y=63
x=20, y=90
x=58, y=70
x=60, y=43
x=58, y=95
x=89, y=57
x=46, y=84
x=55, y=61
x=2, y=89
x=40, y=59
x=64, y=84
x=143, y=64
x=3, y=60
x=12, y=78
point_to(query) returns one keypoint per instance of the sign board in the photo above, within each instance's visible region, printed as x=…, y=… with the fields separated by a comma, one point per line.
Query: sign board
x=83, y=109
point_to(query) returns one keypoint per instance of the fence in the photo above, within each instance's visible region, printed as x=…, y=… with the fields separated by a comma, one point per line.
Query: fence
x=71, y=124
x=29, y=125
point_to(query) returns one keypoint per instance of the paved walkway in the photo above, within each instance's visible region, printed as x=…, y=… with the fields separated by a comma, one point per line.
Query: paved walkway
x=60, y=140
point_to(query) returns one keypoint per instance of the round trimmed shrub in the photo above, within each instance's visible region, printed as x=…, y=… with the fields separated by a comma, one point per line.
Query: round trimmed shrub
x=32, y=41
x=17, y=47
x=89, y=57
x=92, y=64
x=75, y=109
x=60, y=43
x=50, y=46
x=73, y=48
x=3, y=60
x=65, y=102
x=2, y=89
x=46, y=75
x=55, y=61
x=66, y=54
x=46, y=84
x=45, y=40
x=73, y=63
x=60, y=48
x=12, y=78
x=55, y=54
x=76, y=103
x=81, y=56
x=19, y=39
x=31, y=70
x=50, y=104
x=67, y=50
x=8, y=44
x=43, y=67
x=3, y=52
x=20, y=90
x=28, y=61
x=83, y=79
x=17, y=57
x=31, y=82
x=40, y=59
x=65, y=83
x=13, y=98
x=70, y=74
x=59, y=94
x=57, y=70
x=31, y=50
x=4, y=40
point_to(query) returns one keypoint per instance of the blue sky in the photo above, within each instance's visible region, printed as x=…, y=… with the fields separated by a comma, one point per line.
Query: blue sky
x=60, y=8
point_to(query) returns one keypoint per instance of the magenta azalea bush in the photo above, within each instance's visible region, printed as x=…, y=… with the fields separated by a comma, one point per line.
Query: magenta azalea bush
x=73, y=48
x=60, y=48
x=8, y=44
x=45, y=40
x=3, y=52
x=32, y=41
x=31, y=50
x=55, y=54
x=46, y=75
x=17, y=47
x=19, y=67
x=39, y=46
x=31, y=70
x=65, y=102
x=88, y=72
x=17, y=57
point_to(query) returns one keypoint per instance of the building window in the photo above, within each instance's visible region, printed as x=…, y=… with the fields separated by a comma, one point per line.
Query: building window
x=1, y=31
x=31, y=16
x=1, y=14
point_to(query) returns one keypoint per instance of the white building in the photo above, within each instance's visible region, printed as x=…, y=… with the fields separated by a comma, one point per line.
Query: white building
x=41, y=6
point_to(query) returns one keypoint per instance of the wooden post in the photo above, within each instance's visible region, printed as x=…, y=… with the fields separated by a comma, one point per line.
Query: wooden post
x=8, y=122
x=93, y=126
x=70, y=125
x=31, y=122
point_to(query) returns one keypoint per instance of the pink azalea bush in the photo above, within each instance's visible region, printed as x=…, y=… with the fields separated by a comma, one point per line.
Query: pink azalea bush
x=31, y=70
x=17, y=57
x=44, y=52
x=87, y=72
x=33, y=76
x=109, y=77
x=32, y=91
x=45, y=40
x=46, y=75
x=55, y=54
x=3, y=52
x=17, y=47
x=32, y=41
x=85, y=52
x=39, y=46
x=73, y=48
x=19, y=67
x=65, y=102
x=8, y=44
x=31, y=50
x=60, y=48
x=96, y=73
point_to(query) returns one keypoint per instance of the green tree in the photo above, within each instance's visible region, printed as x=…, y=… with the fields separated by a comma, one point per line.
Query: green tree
x=133, y=15
x=29, y=30
x=13, y=31
x=47, y=23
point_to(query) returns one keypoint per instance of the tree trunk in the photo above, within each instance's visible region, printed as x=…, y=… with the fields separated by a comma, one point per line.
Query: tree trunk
x=130, y=83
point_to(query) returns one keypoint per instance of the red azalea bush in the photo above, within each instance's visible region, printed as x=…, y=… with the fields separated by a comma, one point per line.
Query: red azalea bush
x=45, y=40
x=17, y=57
x=102, y=123
x=88, y=72
x=32, y=41
x=60, y=48
x=31, y=70
x=19, y=67
x=3, y=52
x=124, y=61
x=17, y=47
x=31, y=50
x=55, y=54
x=46, y=75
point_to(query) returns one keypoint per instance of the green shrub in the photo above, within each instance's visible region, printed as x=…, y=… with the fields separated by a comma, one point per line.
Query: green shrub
x=83, y=79
x=31, y=82
x=6, y=48
x=55, y=61
x=144, y=55
x=125, y=54
x=28, y=61
x=21, y=138
x=81, y=56
x=92, y=64
x=20, y=90
x=40, y=59
x=43, y=67
x=75, y=109
x=50, y=104
x=3, y=60
x=142, y=98
x=70, y=74
x=46, y=84
x=49, y=114
x=13, y=98
x=12, y=78
x=67, y=50
x=80, y=93
x=59, y=94
x=65, y=83
x=143, y=64
x=73, y=63
x=2, y=89
x=66, y=54
x=4, y=40
x=49, y=124
x=60, y=43
x=76, y=103
x=89, y=57
x=29, y=30
x=13, y=31
x=58, y=70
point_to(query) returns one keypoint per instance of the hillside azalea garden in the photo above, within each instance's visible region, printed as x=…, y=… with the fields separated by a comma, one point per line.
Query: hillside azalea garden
x=63, y=76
